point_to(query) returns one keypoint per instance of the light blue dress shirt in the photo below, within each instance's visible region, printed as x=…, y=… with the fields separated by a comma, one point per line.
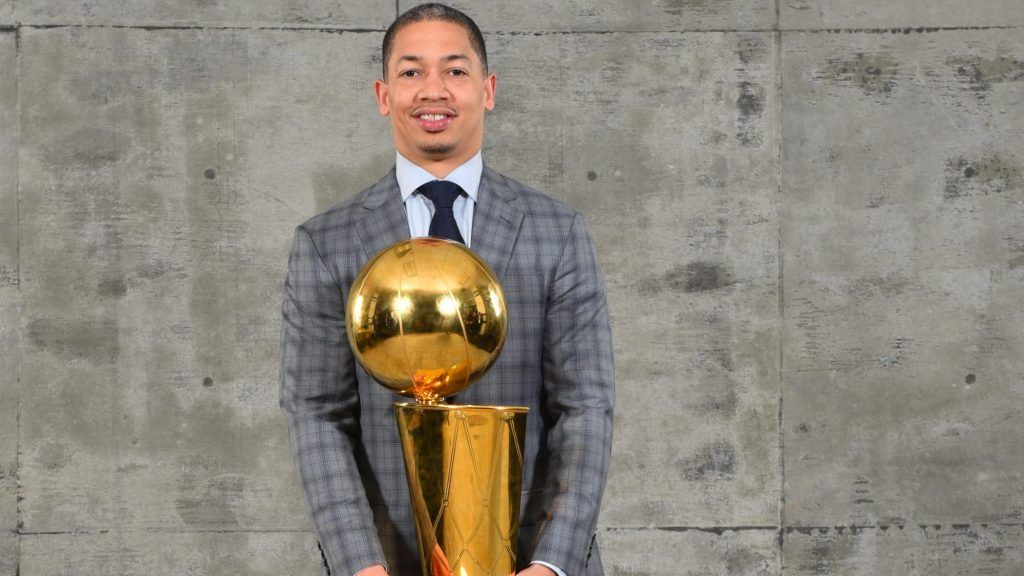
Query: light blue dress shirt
x=419, y=210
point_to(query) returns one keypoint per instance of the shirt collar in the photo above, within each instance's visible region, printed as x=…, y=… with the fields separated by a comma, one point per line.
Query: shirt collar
x=410, y=176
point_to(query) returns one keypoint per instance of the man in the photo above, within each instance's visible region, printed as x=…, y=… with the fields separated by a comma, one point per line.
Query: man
x=557, y=358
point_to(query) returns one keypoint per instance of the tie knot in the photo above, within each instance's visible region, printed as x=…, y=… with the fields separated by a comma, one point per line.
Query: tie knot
x=441, y=193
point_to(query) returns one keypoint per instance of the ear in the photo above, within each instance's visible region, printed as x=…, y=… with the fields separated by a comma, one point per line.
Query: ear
x=490, y=83
x=380, y=88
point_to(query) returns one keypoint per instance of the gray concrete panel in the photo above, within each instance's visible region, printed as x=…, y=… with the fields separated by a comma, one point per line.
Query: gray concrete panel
x=885, y=14
x=665, y=143
x=8, y=162
x=618, y=15
x=9, y=300
x=913, y=550
x=902, y=209
x=245, y=13
x=9, y=553
x=6, y=12
x=626, y=552
x=162, y=173
x=8, y=431
x=209, y=554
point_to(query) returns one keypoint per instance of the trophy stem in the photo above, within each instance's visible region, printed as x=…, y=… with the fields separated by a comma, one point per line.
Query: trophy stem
x=464, y=465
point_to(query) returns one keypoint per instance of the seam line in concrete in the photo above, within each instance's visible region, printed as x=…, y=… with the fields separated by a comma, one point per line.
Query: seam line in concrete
x=102, y=532
x=340, y=30
x=885, y=527
x=899, y=30
x=718, y=530
x=779, y=127
x=19, y=306
x=739, y=528
x=710, y=529
x=903, y=30
x=838, y=528
x=325, y=29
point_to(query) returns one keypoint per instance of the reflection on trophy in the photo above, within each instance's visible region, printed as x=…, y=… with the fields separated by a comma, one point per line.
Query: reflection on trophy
x=426, y=317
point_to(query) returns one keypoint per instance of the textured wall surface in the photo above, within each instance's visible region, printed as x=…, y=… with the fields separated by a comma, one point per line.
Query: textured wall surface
x=810, y=214
x=9, y=300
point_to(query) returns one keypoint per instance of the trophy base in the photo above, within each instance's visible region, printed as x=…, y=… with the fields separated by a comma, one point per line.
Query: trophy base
x=465, y=467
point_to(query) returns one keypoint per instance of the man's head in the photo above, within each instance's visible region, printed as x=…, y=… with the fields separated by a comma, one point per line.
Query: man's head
x=436, y=86
x=434, y=13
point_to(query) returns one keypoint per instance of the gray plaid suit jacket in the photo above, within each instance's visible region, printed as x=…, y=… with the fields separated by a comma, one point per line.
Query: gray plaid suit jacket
x=557, y=360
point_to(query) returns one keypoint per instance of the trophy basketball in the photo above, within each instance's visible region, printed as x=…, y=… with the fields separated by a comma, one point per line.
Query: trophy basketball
x=426, y=317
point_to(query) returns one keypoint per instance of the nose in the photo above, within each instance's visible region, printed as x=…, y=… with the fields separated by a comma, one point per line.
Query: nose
x=434, y=87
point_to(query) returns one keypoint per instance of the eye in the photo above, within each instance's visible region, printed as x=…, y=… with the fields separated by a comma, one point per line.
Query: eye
x=458, y=72
x=407, y=73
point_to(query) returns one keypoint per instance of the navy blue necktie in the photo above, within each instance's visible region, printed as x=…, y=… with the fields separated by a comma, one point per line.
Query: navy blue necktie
x=443, y=194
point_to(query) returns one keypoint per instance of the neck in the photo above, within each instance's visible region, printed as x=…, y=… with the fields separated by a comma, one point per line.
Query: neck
x=439, y=167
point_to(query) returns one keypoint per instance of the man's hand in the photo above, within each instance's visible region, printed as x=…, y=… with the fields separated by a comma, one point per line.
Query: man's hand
x=375, y=570
x=537, y=570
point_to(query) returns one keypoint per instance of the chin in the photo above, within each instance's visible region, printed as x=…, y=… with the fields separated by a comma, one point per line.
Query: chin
x=436, y=148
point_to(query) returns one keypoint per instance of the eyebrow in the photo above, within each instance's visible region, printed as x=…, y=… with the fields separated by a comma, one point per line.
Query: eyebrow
x=449, y=58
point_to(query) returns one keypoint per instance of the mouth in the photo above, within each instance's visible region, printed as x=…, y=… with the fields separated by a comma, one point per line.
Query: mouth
x=434, y=121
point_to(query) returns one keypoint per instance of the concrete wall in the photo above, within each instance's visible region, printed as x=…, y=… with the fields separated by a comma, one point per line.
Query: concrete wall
x=810, y=214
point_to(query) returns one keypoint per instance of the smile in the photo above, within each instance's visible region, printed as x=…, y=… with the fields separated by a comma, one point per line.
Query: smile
x=434, y=121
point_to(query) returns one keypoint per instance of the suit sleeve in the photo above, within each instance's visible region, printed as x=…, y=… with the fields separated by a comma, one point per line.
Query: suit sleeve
x=579, y=384
x=320, y=400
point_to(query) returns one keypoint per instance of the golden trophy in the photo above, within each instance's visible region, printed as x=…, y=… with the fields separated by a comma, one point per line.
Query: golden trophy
x=426, y=317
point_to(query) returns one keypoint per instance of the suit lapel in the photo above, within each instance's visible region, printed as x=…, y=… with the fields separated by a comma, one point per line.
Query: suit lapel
x=496, y=221
x=385, y=222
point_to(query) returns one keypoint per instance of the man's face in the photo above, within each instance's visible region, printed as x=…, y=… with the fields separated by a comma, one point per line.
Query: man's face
x=436, y=93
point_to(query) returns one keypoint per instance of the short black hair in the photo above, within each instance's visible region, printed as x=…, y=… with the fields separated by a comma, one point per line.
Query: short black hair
x=434, y=13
